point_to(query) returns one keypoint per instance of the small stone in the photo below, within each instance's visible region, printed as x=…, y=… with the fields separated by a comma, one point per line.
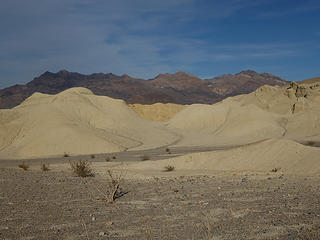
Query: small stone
x=109, y=223
x=103, y=234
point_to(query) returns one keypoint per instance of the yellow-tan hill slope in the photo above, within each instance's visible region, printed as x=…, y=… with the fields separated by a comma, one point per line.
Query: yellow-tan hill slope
x=160, y=112
x=291, y=111
x=77, y=122
x=284, y=155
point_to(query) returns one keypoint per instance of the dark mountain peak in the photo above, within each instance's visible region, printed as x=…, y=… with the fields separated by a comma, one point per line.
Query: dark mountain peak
x=102, y=76
x=63, y=72
x=126, y=76
x=248, y=72
x=179, y=87
x=178, y=76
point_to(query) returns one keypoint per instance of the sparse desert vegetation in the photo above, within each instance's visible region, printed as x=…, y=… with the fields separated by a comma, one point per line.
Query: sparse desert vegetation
x=144, y=157
x=168, y=168
x=178, y=204
x=24, y=166
x=168, y=150
x=81, y=168
x=44, y=167
x=275, y=169
x=114, y=191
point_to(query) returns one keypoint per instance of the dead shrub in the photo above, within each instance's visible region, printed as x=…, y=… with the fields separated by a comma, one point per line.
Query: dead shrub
x=168, y=168
x=82, y=168
x=275, y=169
x=114, y=157
x=144, y=157
x=114, y=191
x=311, y=143
x=107, y=159
x=92, y=156
x=66, y=154
x=45, y=167
x=24, y=166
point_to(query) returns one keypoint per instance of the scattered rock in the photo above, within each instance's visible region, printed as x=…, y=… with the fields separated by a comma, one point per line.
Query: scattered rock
x=109, y=223
x=103, y=234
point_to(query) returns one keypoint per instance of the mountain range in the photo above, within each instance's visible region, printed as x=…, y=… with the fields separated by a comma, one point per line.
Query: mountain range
x=180, y=87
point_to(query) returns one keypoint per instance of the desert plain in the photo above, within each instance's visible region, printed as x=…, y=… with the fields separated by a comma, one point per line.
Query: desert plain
x=247, y=167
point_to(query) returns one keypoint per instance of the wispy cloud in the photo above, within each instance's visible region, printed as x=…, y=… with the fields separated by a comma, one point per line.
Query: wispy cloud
x=141, y=37
x=293, y=8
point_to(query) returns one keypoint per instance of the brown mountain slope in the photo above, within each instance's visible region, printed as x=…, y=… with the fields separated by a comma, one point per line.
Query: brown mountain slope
x=311, y=80
x=180, y=88
x=243, y=82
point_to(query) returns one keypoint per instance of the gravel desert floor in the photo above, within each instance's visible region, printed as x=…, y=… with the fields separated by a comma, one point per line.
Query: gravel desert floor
x=222, y=205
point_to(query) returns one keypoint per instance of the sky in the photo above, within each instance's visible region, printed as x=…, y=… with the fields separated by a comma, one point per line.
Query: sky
x=143, y=38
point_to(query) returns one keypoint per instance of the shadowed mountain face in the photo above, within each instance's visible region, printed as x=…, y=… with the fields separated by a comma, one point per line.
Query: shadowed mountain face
x=180, y=88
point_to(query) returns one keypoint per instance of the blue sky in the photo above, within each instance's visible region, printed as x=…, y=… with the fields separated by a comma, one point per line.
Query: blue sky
x=143, y=38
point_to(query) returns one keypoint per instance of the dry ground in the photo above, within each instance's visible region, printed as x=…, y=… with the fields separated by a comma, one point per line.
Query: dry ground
x=57, y=205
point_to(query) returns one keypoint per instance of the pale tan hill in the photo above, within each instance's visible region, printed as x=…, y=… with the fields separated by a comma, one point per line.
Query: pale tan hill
x=77, y=122
x=283, y=155
x=160, y=112
x=291, y=111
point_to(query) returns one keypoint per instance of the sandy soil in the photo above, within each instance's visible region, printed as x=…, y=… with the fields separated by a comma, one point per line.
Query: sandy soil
x=57, y=205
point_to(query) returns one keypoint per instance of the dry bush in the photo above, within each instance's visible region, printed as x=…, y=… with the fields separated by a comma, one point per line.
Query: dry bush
x=45, y=167
x=114, y=157
x=114, y=190
x=107, y=159
x=144, y=157
x=24, y=166
x=66, y=154
x=114, y=186
x=311, y=143
x=275, y=169
x=92, y=156
x=168, y=150
x=82, y=168
x=168, y=168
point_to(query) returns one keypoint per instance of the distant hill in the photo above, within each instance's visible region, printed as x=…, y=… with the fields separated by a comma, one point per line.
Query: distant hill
x=311, y=80
x=180, y=87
